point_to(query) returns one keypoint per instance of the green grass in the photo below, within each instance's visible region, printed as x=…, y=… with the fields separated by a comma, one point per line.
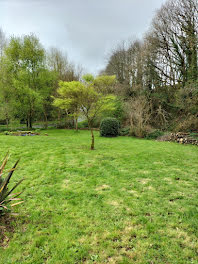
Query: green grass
x=129, y=201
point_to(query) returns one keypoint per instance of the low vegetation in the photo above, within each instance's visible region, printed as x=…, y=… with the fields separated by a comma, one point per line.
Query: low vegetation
x=109, y=127
x=129, y=201
x=6, y=194
x=153, y=80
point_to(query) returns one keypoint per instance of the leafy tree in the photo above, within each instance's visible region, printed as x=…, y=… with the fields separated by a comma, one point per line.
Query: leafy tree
x=84, y=99
x=6, y=95
x=32, y=82
x=28, y=102
x=93, y=103
x=69, y=98
x=104, y=83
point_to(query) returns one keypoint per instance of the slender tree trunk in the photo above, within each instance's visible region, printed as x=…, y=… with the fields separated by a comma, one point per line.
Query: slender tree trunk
x=65, y=120
x=76, y=121
x=92, y=134
x=30, y=122
x=59, y=118
x=46, y=120
x=92, y=139
x=7, y=121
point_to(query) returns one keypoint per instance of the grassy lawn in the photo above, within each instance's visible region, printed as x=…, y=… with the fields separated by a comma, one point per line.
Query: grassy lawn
x=129, y=201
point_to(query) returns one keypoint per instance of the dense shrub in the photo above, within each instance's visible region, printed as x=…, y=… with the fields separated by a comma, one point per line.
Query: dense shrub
x=67, y=123
x=3, y=129
x=84, y=124
x=125, y=131
x=139, y=131
x=189, y=123
x=154, y=134
x=109, y=127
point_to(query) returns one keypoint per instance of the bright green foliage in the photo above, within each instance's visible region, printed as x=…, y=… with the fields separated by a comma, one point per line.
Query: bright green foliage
x=119, y=111
x=47, y=81
x=30, y=81
x=109, y=127
x=6, y=93
x=105, y=83
x=130, y=201
x=70, y=98
x=88, y=78
x=82, y=98
x=94, y=102
x=6, y=194
x=28, y=101
x=69, y=95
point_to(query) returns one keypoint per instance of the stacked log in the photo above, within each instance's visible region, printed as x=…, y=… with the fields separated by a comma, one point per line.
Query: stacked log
x=183, y=138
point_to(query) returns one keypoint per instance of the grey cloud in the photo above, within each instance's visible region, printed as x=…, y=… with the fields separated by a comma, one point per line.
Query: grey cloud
x=85, y=29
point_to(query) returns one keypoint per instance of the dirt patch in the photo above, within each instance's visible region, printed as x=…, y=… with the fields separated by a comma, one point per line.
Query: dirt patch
x=114, y=203
x=135, y=193
x=115, y=259
x=103, y=187
x=6, y=227
x=65, y=183
x=144, y=180
x=151, y=188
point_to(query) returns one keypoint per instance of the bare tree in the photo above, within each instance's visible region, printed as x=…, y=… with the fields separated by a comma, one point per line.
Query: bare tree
x=59, y=63
x=175, y=30
x=2, y=42
x=139, y=112
x=127, y=63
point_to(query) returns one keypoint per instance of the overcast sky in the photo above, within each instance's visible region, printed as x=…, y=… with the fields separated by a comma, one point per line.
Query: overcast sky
x=85, y=29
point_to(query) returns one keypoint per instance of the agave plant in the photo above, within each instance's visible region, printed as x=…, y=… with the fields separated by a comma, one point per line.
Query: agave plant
x=6, y=194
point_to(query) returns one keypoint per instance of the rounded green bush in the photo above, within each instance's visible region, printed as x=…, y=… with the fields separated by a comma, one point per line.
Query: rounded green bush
x=109, y=127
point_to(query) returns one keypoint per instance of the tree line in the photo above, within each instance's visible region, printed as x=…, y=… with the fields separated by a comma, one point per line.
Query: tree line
x=158, y=75
x=147, y=84
x=29, y=77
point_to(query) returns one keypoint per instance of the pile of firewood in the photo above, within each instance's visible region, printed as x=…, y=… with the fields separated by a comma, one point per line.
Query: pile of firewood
x=183, y=138
x=180, y=137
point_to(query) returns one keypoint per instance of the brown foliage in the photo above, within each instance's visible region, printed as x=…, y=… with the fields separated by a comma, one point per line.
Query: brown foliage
x=139, y=111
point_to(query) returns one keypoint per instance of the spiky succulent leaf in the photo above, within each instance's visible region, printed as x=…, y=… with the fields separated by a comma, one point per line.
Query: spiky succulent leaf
x=6, y=195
